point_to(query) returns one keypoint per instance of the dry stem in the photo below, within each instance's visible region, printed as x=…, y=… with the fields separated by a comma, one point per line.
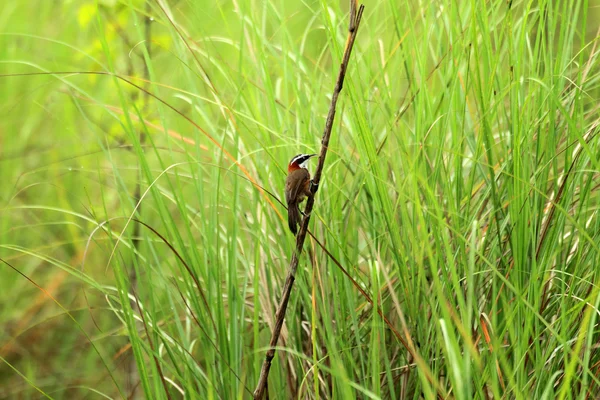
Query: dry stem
x=355, y=17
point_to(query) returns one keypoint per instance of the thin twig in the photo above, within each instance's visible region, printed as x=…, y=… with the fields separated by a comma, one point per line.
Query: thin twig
x=142, y=138
x=136, y=237
x=289, y=282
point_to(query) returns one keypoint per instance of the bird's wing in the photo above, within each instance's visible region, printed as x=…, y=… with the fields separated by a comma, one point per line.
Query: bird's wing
x=294, y=183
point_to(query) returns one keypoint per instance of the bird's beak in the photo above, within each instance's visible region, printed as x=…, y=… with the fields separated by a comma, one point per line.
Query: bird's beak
x=312, y=155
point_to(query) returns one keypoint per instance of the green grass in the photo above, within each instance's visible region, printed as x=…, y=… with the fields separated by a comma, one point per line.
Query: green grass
x=460, y=191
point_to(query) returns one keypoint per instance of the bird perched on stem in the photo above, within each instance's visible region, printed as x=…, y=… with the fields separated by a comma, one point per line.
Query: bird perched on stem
x=297, y=186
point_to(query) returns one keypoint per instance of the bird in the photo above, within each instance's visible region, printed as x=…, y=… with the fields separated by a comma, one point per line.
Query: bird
x=298, y=186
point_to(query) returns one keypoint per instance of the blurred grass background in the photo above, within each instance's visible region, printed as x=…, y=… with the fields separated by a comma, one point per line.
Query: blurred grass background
x=143, y=148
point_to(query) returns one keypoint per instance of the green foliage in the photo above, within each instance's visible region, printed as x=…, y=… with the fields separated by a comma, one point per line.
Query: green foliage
x=143, y=153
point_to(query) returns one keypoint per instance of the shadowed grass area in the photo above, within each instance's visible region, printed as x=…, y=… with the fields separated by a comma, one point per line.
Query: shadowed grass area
x=143, y=153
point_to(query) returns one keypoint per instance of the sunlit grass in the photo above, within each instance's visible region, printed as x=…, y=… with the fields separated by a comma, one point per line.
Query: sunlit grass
x=141, y=189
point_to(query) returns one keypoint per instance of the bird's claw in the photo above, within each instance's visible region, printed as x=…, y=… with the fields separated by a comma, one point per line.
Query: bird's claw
x=313, y=186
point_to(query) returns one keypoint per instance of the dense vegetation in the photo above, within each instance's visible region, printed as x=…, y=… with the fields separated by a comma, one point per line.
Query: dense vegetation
x=143, y=148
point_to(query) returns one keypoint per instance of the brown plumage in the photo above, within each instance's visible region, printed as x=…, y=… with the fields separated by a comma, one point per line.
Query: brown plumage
x=297, y=187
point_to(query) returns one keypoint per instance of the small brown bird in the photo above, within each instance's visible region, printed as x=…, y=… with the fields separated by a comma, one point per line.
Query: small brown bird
x=297, y=187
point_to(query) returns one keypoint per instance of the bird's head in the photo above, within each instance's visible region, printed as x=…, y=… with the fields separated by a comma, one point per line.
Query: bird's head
x=299, y=161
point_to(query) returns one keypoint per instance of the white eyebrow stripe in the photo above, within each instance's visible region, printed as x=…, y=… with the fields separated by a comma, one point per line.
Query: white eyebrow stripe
x=297, y=158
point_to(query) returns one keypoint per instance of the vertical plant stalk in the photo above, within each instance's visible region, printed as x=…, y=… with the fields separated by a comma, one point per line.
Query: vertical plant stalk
x=133, y=278
x=137, y=192
x=355, y=17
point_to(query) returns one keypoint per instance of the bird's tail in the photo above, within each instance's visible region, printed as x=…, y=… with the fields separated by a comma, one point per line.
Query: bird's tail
x=293, y=217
